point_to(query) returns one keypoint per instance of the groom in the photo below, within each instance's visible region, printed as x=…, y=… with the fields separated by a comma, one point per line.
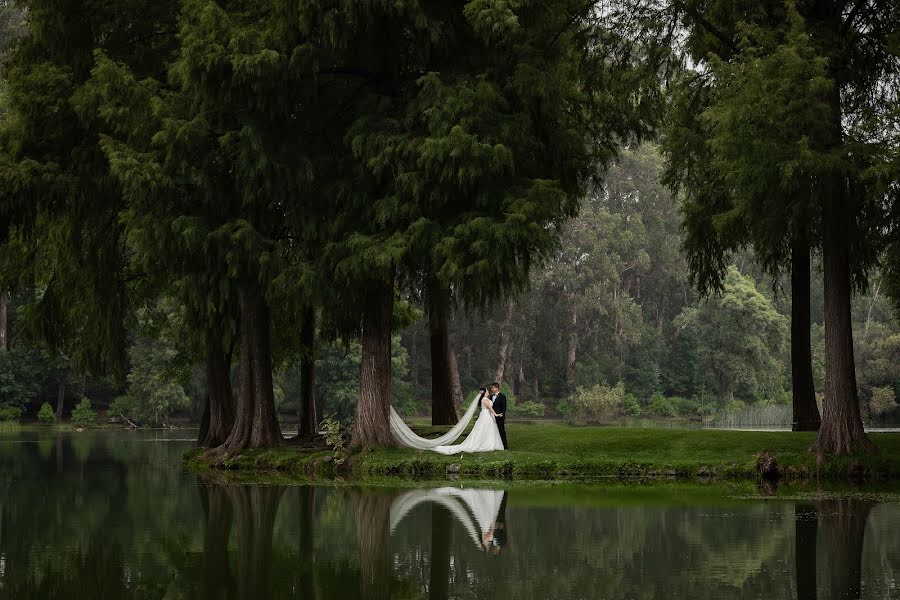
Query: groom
x=499, y=400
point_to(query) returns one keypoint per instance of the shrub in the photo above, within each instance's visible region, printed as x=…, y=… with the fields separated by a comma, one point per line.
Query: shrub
x=334, y=437
x=83, y=414
x=631, y=406
x=685, y=407
x=46, y=414
x=10, y=413
x=735, y=406
x=530, y=409
x=882, y=402
x=661, y=406
x=594, y=405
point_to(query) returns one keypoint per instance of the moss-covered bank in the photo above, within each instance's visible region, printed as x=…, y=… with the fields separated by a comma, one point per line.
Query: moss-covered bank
x=554, y=451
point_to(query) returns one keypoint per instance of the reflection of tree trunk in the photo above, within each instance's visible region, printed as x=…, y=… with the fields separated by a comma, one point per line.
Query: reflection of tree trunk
x=504, y=343
x=842, y=428
x=806, y=412
x=805, y=527
x=307, y=516
x=218, y=413
x=844, y=522
x=454, y=374
x=60, y=398
x=255, y=508
x=572, y=349
x=441, y=540
x=307, y=419
x=218, y=581
x=255, y=424
x=372, y=426
x=4, y=320
x=372, y=512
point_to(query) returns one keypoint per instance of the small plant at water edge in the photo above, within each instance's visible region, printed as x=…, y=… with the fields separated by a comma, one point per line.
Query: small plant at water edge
x=83, y=414
x=334, y=438
x=46, y=414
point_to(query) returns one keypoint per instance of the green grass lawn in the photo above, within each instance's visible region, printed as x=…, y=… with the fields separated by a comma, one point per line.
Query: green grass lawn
x=554, y=450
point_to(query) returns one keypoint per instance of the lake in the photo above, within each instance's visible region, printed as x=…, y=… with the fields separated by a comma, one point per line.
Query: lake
x=112, y=514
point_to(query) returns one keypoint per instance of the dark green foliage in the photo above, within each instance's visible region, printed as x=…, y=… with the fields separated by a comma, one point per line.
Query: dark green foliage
x=46, y=414
x=21, y=377
x=10, y=413
x=83, y=415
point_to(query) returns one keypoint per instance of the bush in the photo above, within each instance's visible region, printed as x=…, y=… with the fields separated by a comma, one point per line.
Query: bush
x=685, y=407
x=530, y=409
x=661, y=406
x=631, y=406
x=882, y=402
x=83, y=414
x=594, y=405
x=10, y=413
x=46, y=414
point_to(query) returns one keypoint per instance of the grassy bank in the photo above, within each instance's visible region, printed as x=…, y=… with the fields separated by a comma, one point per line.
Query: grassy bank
x=551, y=451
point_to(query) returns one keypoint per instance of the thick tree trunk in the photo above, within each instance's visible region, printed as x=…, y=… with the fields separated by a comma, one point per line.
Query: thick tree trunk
x=441, y=540
x=372, y=427
x=255, y=424
x=4, y=320
x=454, y=375
x=60, y=398
x=218, y=414
x=372, y=515
x=844, y=522
x=443, y=408
x=805, y=529
x=571, y=354
x=504, y=343
x=842, y=428
x=806, y=412
x=414, y=364
x=307, y=420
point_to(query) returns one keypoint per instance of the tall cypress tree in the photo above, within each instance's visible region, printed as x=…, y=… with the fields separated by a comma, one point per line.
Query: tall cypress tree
x=758, y=142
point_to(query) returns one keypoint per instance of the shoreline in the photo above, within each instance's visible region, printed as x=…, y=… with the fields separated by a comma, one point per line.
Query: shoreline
x=556, y=452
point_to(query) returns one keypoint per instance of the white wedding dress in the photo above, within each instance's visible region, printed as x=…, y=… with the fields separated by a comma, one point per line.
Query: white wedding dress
x=484, y=437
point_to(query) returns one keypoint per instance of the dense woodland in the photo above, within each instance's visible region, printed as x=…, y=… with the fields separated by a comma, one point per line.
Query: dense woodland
x=239, y=211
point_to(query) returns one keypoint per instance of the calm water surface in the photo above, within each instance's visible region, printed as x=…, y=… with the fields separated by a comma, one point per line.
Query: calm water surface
x=114, y=515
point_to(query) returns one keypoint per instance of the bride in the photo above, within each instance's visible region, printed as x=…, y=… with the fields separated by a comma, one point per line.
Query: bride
x=484, y=437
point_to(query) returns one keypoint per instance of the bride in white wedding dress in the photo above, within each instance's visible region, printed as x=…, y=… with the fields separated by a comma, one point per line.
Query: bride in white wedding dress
x=484, y=437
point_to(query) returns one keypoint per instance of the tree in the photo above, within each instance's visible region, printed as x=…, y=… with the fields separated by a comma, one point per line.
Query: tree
x=739, y=337
x=807, y=66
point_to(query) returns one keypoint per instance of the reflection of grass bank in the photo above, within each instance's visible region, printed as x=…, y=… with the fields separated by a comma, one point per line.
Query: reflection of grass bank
x=550, y=451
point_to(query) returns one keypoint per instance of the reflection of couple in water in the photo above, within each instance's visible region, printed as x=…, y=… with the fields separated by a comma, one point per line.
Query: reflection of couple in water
x=481, y=512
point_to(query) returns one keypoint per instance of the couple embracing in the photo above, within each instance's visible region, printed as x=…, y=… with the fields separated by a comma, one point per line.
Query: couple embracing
x=489, y=432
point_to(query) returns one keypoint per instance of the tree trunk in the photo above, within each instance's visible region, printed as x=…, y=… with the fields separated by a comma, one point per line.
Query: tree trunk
x=842, y=427
x=218, y=414
x=454, y=375
x=255, y=424
x=441, y=540
x=372, y=515
x=4, y=320
x=60, y=398
x=806, y=412
x=572, y=350
x=844, y=522
x=805, y=528
x=537, y=391
x=414, y=364
x=372, y=427
x=443, y=408
x=307, y=420
x=519, y=387
x=504, y=343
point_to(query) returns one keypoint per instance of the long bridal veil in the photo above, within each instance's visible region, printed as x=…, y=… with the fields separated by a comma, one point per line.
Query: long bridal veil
x=405, y=436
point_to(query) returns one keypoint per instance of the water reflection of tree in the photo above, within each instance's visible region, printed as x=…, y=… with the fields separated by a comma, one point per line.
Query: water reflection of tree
x=844, y=524
x=372, y=516
x=806, y=522
x=216, y=579
x=441, y=540
x=255, y=508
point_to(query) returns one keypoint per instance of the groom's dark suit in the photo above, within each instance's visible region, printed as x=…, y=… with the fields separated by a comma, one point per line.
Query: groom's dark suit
x=500, y=407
